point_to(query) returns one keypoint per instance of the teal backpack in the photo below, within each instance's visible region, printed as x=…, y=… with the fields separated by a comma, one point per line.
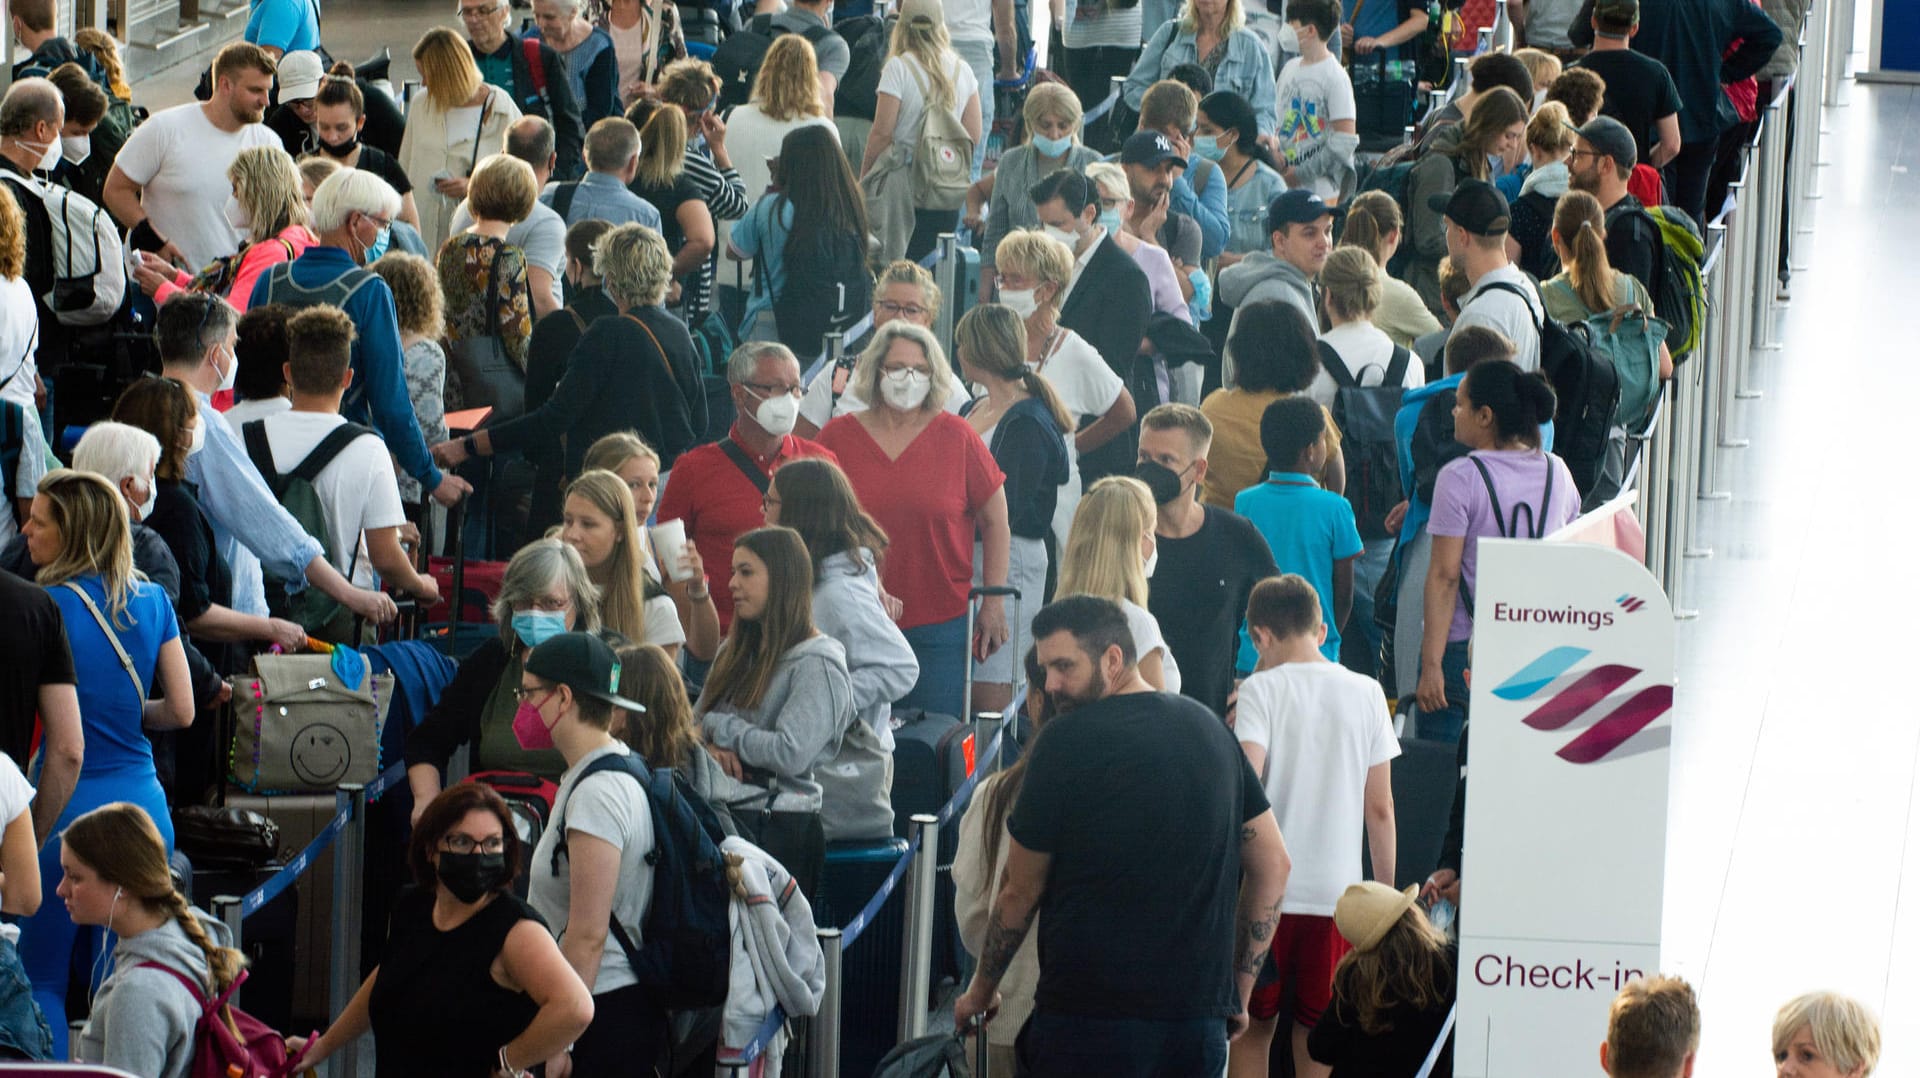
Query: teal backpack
x=1630, y=339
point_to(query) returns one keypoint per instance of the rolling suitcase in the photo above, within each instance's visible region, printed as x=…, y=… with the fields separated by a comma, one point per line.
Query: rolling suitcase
x=300, y=817
x=467, y=623
x=269, y=939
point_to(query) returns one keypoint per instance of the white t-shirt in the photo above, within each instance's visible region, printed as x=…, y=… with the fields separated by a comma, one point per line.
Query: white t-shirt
x=15, y=795
x=663, y=628
x=900, y=81
x=19, y=336
x=1147, y=640
x=818, y=404
x=246, y=411
x=1367, y=352
x=356, y=489
x=27, y=474
x=611, y=807
x=1086, y=386
x=1323, y=728
x=969, y=20
x=1308, y=99
x=180, y=161
x=1498, y=309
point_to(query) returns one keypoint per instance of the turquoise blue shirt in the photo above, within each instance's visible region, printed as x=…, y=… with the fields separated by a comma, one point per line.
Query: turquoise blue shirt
x=763, y=237
x=1308, y=529
x=288, y=25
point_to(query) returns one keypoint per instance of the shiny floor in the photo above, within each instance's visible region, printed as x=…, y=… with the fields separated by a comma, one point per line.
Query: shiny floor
x=1794, y=845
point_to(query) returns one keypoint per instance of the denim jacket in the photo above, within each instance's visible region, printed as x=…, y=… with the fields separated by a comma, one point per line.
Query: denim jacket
x=1247, y=69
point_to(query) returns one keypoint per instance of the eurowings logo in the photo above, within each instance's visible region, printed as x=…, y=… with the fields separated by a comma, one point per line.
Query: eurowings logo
x=1630, y=603
x=1574, y=693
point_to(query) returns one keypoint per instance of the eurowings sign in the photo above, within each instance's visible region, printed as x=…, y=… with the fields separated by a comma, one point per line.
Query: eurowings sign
x=1565, y=842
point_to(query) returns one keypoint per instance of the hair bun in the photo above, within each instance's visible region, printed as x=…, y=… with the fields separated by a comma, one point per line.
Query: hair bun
x=1538, y=392
x=342, y=69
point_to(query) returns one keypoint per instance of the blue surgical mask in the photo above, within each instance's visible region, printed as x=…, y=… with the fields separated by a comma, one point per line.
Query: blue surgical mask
x=1210, y=148
x=1109, y=220
x=380, y=244
x=536, y=627
x=1051, y=147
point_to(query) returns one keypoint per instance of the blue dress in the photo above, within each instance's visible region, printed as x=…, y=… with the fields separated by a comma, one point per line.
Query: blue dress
x=118, y=766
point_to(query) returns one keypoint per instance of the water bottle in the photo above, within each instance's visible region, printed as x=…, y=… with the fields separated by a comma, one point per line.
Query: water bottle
x=1502, y=27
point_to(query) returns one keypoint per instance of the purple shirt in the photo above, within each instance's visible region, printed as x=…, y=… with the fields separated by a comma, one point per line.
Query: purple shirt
x=1461, y=507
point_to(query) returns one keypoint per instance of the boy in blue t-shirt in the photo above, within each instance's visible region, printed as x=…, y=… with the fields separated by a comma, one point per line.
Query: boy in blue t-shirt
x=1310, y=530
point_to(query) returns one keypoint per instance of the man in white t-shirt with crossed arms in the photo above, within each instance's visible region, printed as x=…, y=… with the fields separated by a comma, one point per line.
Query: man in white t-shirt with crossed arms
x=1320, y=738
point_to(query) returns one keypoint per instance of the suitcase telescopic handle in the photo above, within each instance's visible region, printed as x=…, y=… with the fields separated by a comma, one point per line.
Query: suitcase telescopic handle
x=1001, y=590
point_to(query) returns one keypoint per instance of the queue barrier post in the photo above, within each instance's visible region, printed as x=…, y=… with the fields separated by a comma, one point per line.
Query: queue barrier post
x=916, y=952
x=1773, y=184
x=1839, y=23
x=1730, y=338
x=1753, y=220
x=946, y=274
x=823, y=1039
x=227, y=909
x=1689, y=388
x=343, y=975
x=1712, y=357
x=1650, y=500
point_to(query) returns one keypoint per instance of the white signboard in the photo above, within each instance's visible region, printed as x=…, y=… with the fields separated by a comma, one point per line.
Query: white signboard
x=1566, y=816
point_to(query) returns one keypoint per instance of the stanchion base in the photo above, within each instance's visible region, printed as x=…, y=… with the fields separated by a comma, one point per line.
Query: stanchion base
x=1715, y=496
x=1681, y=613
x=1747, y=395
x=1735, y=443
x=1697, y=552
x=1773, y=347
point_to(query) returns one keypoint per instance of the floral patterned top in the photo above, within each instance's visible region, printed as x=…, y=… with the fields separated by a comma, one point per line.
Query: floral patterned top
x=425, y=367
x=465, y=266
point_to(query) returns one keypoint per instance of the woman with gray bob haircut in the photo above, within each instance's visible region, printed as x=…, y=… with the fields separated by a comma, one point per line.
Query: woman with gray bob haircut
x=637, y=372
x=544, y=592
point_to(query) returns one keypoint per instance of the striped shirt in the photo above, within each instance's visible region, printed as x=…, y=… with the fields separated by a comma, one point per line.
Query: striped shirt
x=726, y=198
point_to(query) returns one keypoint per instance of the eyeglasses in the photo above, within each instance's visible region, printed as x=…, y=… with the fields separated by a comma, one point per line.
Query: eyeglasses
x=545, y=602
x=901, y=310
x=1573, y=155
x=760, y=390
x=522, y=694
x=478, y=12
x=769, y=503
x=457, y=843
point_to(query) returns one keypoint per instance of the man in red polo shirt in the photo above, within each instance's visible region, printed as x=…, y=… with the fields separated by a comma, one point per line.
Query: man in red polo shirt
x=718, y=489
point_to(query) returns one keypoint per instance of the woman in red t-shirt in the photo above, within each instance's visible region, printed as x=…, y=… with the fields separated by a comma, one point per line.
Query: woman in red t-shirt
x=931, y=483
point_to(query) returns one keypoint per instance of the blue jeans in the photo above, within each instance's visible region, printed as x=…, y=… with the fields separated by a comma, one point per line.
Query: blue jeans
x=1445, y=725
x=941, y=648
x=1061, y=1044
x=23, y=1029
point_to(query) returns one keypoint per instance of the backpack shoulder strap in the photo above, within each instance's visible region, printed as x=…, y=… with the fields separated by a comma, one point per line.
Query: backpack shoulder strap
x=817, y=34
x=563, y=198
x=336, y=441
x=192, y=986
x=260, y=451
x=1397, y=367
x=1336, y=367
x=1539, y=320
x=13, y=436
x=579, y=323
x=530, y=47
x=612, y=761
x=762, y=25
x=1493, y=496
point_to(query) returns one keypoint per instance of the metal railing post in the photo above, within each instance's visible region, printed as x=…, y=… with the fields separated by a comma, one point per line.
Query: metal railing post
x=1753, y=222
x=986, y=726
x=1651, y=495
x=227, y=908
x=823, y=1039
x=1732, y=340
x=1773, y=182
x=1839, y=42
x=946, y=274
x=916, y=952
x=343, y=975
x=1687, y=388
x=1712, y=357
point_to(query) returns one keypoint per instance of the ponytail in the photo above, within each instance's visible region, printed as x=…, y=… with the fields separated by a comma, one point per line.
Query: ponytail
x=1371, y=217
x=1520, y=400
x=223, y=963
x=1581, y=225
x=1041, y=390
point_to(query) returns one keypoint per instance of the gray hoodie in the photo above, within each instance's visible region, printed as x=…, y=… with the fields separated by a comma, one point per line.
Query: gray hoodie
x=143, y=1019
x=880, y=664
x=1261, y=276
x=799, y=724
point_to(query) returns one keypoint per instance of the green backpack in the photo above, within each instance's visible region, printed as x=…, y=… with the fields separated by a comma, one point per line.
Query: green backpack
x=323, y=616
x=1678, y=295
x=1629, y=338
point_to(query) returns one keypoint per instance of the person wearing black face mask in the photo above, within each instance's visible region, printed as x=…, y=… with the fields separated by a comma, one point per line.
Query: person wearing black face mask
x=1210, y=558
x=471, y=983
x=339, y=119
x=590, y=868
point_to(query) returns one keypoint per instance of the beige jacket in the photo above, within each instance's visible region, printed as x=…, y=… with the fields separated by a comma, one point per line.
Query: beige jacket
x=428, y=149
x=973, y=890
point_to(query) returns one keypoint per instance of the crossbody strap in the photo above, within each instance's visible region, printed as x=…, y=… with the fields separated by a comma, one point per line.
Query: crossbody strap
x=746, y=465
x=657, y=346
x=100, y=619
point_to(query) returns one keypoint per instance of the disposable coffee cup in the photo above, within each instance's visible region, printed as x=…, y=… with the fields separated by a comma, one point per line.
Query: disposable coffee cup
x=669, y=543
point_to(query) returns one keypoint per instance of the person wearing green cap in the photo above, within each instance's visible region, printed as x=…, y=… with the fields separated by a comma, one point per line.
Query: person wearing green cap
x=603, y=836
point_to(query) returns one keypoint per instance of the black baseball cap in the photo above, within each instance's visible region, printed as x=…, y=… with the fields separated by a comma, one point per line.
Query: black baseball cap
x=1476, y=206
x=1296, y=207
x=584, y=663
x=1609, y=136
x=1149, y=148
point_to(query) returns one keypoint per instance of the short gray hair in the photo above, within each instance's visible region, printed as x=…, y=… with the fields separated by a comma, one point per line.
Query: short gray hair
x=350, y=191
x=745, y=358
x=535, y=568
x=570, y=5
x=866, y=373
x=633, y=264
x=530, y=138
x=611, y=143
x=115, y=451
x=28, y=102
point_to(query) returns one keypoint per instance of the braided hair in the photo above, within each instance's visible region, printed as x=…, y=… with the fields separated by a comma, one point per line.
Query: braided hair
x=119, y=842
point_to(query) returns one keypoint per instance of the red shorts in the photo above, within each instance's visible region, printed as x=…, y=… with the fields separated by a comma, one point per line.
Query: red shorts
x=1305, y=951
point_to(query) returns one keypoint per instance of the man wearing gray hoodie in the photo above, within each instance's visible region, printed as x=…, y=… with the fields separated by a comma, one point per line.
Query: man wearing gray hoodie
x=1300, y=228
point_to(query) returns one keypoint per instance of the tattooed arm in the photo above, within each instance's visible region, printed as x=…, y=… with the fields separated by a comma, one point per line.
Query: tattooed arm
x=1014, y=909
x=1263, y=881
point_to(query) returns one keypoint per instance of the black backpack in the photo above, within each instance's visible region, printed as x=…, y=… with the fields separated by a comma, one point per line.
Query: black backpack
x=1588, y=389
x=737, y=61
x=684, y=956
x=1365, y=417
x=827, y=288
x=858, y=91
x=322, y=616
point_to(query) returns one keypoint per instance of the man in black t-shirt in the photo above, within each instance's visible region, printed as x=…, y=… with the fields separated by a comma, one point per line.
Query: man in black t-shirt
x=1602, y=159
x=1210, y=558
x=37, y=679
x=1136, y=823
x=1640, y=91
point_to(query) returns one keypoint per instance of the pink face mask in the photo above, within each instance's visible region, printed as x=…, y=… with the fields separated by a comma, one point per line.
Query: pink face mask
x=529, y=729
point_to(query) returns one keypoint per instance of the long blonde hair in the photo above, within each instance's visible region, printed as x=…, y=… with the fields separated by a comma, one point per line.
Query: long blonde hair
x=447, y=68
x=663, y=147
x=95, y=537
x=994, y=340
x=266, y=183
x=623, y=597
x=788, y=85
x=611, y=452
x=1102, y=557
x=923, y=36
x=1581, y=226
x=120, y=843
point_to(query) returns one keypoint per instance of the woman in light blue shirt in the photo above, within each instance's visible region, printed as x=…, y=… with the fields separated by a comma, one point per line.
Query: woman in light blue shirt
x=1227, y=134
x=1213, y=34
x=827, y=202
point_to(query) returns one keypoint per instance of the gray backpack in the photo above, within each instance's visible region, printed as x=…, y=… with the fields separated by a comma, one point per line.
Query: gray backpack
x=937, y=1055
x=942, y=153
